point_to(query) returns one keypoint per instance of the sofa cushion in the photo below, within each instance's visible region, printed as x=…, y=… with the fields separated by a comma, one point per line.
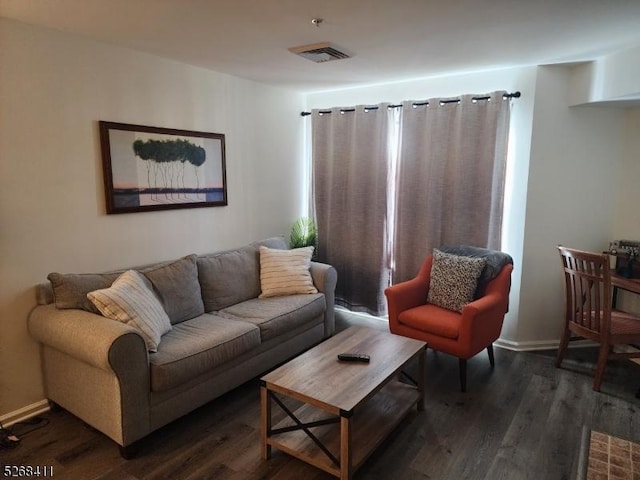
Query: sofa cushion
x=232, y=276
x=130, y=300
x=285, y=272
x=177, y=287
x=70, y=289
x=274, y=242
x=199, y=345
x=454, y=280
x=277, y=315
x=228, y=278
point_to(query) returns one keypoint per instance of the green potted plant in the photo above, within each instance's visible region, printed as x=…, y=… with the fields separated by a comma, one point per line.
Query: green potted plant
x=304, y=234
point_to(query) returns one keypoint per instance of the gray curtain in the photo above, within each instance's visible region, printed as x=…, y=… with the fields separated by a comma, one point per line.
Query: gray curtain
x=350, y=173
x=450, y=180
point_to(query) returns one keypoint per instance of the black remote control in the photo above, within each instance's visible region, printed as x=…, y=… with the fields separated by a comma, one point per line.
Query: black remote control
x=353, y=357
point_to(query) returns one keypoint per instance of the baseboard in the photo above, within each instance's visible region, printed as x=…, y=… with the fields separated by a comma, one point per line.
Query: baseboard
x=25, y=413
x=382, y=319
x=539, y=345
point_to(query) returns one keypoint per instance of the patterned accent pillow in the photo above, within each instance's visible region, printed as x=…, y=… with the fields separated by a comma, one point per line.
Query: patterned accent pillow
x=285, y=272
x=453, y=280
x=130, y=300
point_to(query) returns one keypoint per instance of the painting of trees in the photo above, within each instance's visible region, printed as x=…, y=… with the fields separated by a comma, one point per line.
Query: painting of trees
x=166, y=161
x=152, y=168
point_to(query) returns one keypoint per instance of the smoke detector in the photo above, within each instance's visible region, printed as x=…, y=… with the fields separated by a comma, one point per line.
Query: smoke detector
x=320, y=52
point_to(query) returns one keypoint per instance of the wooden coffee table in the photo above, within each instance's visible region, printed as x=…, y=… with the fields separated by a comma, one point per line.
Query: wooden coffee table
x=348, y=408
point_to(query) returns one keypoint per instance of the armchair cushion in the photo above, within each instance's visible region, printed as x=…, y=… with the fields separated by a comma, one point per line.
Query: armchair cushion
x=454, y=280
x=432, y=319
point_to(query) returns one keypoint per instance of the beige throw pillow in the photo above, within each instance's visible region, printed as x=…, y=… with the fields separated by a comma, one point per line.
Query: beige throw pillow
x=285, y=272
x=454, y=280
x=130, y=300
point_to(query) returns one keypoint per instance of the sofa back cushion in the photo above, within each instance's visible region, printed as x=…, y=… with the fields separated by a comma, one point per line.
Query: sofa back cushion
x=70, y=289
x=186, y=287
x=176, y=285
x=227, y=278
x=274, y=242
x=233, y=276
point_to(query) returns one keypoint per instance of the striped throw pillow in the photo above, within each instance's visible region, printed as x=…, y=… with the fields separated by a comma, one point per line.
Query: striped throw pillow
x=285, y=272
x=130, y=300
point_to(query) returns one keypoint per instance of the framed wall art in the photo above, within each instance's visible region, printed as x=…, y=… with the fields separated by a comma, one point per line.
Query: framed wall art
x=151, y=168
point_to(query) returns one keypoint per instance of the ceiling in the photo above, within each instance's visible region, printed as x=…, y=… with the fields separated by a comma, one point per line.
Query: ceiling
x=390, y=40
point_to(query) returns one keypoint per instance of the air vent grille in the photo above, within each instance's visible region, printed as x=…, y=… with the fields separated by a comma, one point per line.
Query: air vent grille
x=320, y=52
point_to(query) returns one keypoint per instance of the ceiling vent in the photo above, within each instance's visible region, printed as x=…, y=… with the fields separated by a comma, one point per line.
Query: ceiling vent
x=320, y=52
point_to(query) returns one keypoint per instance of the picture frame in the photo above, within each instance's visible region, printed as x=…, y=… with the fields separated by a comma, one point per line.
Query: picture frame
x=151, y=168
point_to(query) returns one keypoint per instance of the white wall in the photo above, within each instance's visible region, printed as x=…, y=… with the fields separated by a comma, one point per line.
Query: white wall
x=53, y=90
x=627, y=212
x=574, y=167
x=516, y=79
x=610, y=79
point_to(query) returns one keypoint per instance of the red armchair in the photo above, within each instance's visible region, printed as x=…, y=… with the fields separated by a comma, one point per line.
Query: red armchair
x=460, y=334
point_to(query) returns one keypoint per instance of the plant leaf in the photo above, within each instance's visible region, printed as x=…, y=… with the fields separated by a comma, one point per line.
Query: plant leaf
x=303, y=233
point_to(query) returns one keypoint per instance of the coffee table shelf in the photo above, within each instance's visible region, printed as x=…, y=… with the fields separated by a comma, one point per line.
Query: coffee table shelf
x=371, y=425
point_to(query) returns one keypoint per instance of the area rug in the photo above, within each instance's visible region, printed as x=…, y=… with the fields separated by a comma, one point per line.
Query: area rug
x=611, y=458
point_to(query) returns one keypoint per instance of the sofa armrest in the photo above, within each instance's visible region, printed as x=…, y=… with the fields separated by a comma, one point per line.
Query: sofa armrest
x=83, y=335
x=88, y=353
x=325, y=278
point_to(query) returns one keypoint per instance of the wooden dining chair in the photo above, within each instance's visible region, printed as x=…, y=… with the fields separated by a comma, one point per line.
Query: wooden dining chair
x=588, y=309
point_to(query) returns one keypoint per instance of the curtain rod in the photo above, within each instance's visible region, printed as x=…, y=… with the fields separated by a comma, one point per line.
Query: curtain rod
x=418, y=104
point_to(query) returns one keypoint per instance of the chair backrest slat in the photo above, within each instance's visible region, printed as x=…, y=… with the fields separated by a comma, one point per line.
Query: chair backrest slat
x=587, y=289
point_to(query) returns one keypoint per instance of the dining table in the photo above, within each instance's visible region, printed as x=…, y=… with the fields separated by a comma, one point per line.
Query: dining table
x=625, y=283
x=621, y=282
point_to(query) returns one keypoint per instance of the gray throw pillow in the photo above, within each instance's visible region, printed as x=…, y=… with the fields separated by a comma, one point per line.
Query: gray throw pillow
x=230, y=277
x=70, y=289
x=453, y=280
x=176, y=285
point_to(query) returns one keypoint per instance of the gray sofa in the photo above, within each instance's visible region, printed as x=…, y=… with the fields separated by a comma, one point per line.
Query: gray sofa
x=222, y=335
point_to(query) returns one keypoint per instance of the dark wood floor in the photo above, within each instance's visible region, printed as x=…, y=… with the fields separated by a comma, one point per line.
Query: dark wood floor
x=521, y=420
